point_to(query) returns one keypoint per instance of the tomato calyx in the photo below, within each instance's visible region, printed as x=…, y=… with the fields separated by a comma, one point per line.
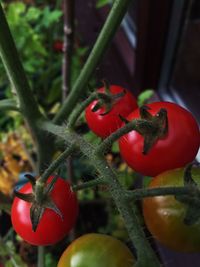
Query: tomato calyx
x=152, y=128
x=192, y=199
x=39, y=204
x=107, y=100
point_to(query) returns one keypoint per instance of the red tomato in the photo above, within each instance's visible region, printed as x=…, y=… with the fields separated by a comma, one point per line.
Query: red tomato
x=104, y=125
x=164, y=215
x=96, y=250
x=58, y=46
x=175, y=150
x=51, y=227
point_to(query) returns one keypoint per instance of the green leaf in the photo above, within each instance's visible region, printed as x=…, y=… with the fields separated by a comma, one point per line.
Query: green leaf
x=50, y=17
x=15, y=10
x=144, y=96
x=50, y=261
x=33, y=14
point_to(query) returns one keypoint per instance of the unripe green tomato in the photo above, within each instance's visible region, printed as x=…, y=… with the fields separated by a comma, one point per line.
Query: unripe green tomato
x=96, y=250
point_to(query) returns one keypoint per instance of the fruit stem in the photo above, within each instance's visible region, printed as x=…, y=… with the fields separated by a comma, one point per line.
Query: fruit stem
x=79, y=109
x=56, y=163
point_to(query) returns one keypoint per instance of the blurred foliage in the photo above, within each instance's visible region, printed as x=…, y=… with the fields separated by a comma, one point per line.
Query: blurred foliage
x=35, y=28
x=14, y=160
x=50, y=260
x=102, y=3
x=9, y=256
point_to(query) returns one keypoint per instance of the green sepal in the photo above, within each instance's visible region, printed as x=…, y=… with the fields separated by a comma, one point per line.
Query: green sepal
x=107, y=100
x=192, y=215
x=191, y=200
x=26, y=197
x=31, y=179
x=144, y=114
x=98, y=105
x=152, y=128
x=49, y=187
x=37, y=211
x=188, y=180
x=123, y=119
x=106, y=85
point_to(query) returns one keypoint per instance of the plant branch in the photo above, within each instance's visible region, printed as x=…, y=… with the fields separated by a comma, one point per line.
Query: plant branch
x=8, y=104
x=15, y=71
x=68, y=9
x=27, y=103
x=79, y=109
x=145, y=254
x=56, y=163
x=89, y=184
x=110, y=27
x=138, y=194
x=107, y=143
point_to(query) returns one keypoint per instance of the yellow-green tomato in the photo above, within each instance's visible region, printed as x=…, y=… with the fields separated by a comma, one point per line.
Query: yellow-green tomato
x=96, y=250
x=164, y=215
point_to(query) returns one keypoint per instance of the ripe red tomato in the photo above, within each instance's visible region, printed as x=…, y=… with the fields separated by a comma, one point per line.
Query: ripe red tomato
x=175, y=150
x=164, y=215
x=96, y=250
x=51, y=227
x=104, y=125
x=58, y=46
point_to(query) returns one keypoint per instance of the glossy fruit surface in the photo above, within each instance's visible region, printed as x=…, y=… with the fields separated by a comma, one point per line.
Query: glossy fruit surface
x=164, y=215
x=179, y=146
x=51, y=228
x=104, y=125
x=96, y=250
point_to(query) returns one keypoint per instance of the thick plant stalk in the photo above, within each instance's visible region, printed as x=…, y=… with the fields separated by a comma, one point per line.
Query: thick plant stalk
x=68, y=29
x=145, y=254
x=110, y=27
x=15, y=71
x=27, y=103
x=68, y=9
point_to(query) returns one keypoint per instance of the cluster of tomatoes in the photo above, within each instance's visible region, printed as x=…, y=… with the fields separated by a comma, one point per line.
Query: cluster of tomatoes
x=165, y=161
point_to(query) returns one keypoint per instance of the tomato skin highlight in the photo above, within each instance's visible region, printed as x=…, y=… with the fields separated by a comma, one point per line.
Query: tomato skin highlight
x=51, y=227
x=175, y=150
x=104, y=125
x=96, y=250
x=164, y=215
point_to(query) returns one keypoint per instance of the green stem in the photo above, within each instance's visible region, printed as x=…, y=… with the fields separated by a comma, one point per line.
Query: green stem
x=161, y=191
x=55, y=164
x=19, y=82
x=110, y=27
x=145, y=254
x=15, y=71
x=79, y=109
x=93, y=183
x=41, y=255
x=107, y=143
x=8, y=104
